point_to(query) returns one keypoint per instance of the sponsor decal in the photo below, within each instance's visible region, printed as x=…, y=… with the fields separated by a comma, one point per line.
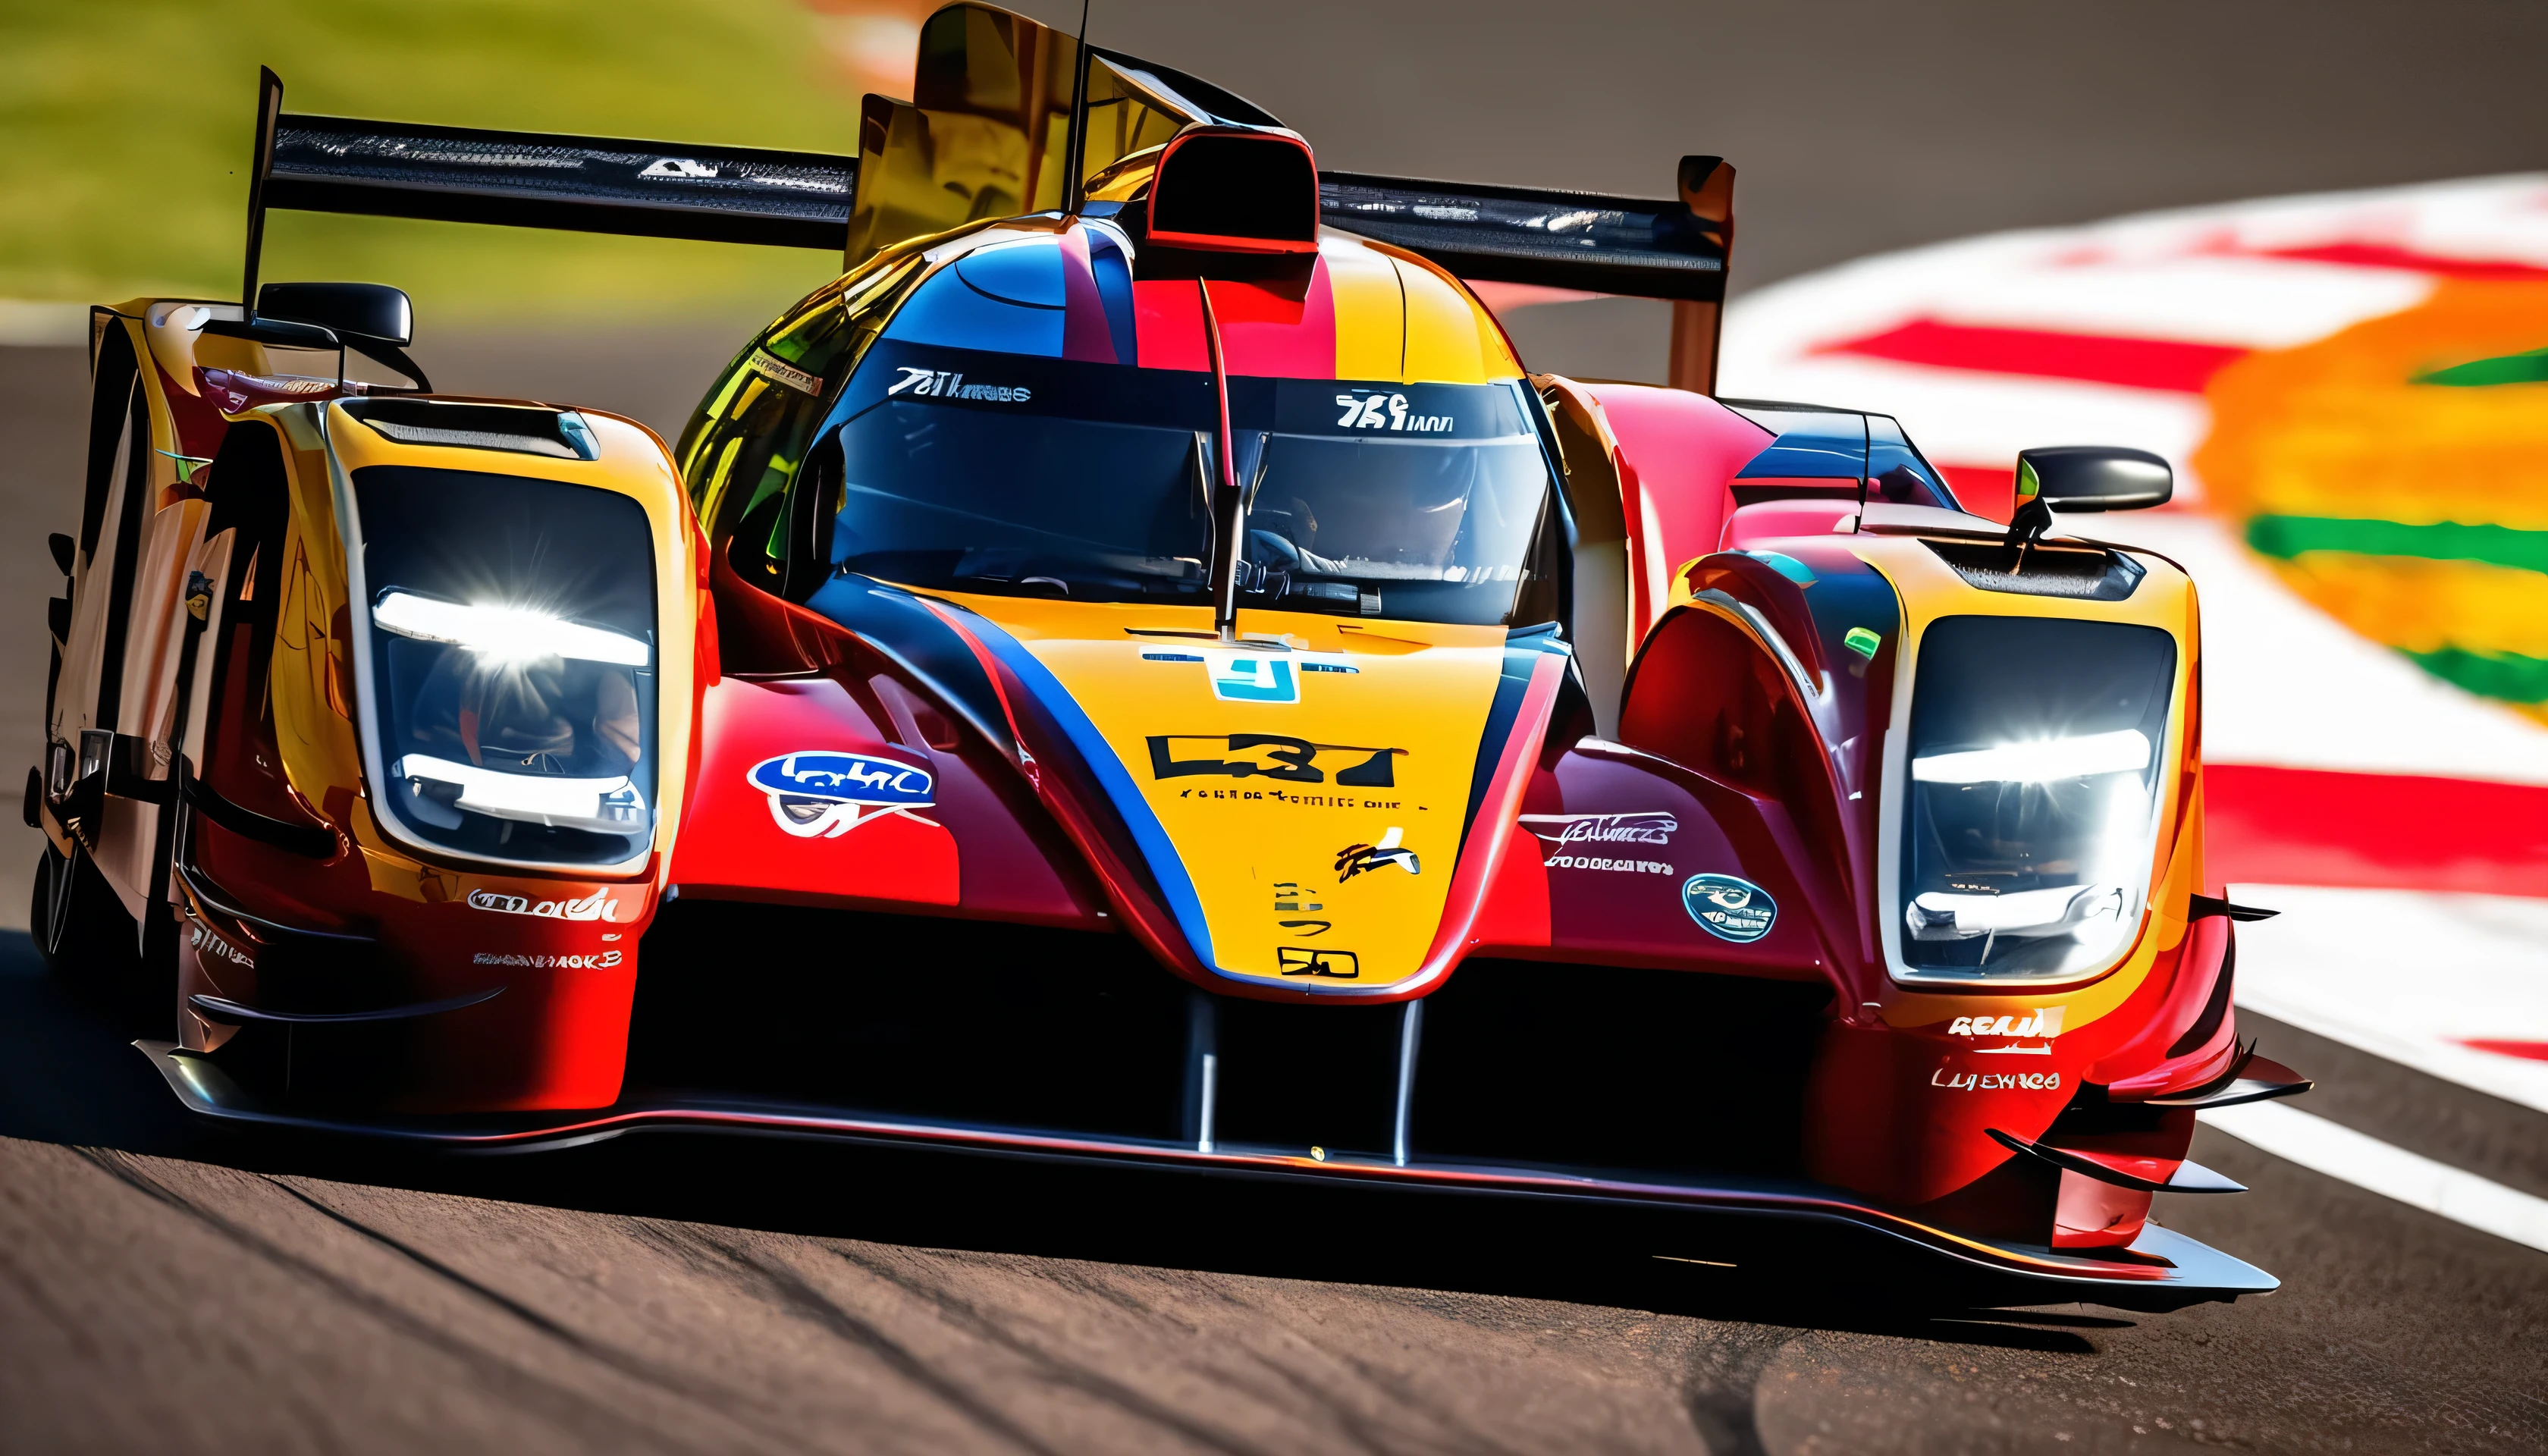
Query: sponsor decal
x=1289, y=900
x=597, y=906
x=2043, y=1021
x=1338, y=965
x=1651, y=827
x=770, y=367
x=1353, y=860
x=1995, y=1081
x=1598, y=861
x=821, y=793
x=209, y=943
x=1387, y=411
x=942, y=384
x=1272, y=756
x=678, y=166
x=590, y=961
x=1728, y=908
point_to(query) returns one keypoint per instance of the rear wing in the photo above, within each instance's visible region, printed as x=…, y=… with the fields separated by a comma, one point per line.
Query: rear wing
x=1023, y=107
x=529, y=179
x=1675, y=248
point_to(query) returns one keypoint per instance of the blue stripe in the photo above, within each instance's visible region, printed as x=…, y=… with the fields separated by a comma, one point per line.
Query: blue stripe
x=1522, y=650
x=1176, y=887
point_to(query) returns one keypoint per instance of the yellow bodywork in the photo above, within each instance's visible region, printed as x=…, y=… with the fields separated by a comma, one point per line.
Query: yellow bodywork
x=1271, y=853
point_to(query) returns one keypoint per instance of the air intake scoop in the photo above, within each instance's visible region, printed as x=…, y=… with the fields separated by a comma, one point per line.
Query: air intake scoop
x=1233, y=189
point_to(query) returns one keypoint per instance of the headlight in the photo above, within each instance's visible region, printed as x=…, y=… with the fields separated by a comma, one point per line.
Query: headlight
x=2031, y=803
x=512, y=664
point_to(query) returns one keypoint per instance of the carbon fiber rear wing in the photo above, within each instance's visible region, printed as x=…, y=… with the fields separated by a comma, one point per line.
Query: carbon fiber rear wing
x=1587, y=242
x=588, y=184
x=529, y=179
x=1675, y=248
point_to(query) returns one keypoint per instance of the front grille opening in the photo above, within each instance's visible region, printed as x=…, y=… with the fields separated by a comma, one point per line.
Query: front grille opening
x=1298, y=1077
x=519, y=428
x=955, y=1020
x=1575, y=1067
x=1606, y=1067
x=2085, y=572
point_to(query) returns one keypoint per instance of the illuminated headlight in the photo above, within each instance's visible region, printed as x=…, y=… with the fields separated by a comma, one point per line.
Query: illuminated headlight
x=515, y=635
x=512, y=680
x=603, y=805
x=2029, y=821
x=2127, y=751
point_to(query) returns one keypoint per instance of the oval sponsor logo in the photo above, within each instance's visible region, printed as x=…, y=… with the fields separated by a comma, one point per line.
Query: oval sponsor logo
x=844, y=778
x=1728, y=908
x=824, y=793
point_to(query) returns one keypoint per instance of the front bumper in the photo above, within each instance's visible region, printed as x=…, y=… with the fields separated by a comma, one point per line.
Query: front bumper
x=2161, y=1270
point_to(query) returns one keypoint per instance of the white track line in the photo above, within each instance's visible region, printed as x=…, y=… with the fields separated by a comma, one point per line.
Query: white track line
x=2339, y=1151
x=2406, y=975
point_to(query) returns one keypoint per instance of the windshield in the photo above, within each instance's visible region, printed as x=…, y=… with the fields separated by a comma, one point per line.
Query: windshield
x=1004, y=472
x=2036, y=752
x=1416, y=502
x=1013, y=474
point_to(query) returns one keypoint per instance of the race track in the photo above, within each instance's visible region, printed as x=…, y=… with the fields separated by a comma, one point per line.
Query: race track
x=166, y=1288
x=678, y=1293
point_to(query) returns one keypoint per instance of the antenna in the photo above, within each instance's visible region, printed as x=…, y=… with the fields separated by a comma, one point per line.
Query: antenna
x=1072, y=198
x=269, y=110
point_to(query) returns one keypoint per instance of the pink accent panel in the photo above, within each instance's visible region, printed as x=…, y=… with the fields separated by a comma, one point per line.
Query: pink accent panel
x=1084, y=333
x=1272, y=329
x=1771, y=519
x=1167, y=316
x=1678, y=451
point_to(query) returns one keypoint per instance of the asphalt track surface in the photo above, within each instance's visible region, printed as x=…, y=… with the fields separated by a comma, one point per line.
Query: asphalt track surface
x=169, y=1287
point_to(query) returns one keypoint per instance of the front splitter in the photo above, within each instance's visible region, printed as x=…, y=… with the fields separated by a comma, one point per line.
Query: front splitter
x=2160, y=1271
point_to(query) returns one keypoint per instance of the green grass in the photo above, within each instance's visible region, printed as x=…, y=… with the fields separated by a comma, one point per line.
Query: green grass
x=124, y=127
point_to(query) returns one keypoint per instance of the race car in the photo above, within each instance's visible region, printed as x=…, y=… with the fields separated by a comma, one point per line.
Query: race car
x=1139, y=670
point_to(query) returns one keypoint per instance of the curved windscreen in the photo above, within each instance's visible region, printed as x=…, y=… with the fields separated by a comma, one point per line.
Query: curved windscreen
x=512, y=662
x=1414, y=500
x=2036, y=754
x=991, y=472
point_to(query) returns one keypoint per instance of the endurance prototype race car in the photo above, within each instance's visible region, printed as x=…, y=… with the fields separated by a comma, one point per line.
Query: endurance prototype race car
x=1137, y=670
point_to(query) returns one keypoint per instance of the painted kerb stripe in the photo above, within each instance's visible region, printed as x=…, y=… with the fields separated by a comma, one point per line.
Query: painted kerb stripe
x=2339, y=1151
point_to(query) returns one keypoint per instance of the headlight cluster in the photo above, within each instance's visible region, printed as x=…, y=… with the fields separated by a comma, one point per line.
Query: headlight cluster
x=2031, y=809
x=512, y=662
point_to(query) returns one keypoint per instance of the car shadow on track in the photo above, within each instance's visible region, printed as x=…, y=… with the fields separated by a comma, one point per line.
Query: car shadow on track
x=69, y=1075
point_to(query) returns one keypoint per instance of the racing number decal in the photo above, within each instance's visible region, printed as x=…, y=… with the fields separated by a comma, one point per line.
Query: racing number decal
x=1274, y=756
x=1338, y=965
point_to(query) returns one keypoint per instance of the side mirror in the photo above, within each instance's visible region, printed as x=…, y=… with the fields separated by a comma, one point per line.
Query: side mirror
x=2084, y=478
x=371, y=309
x=373, y=319
x=2093, y=478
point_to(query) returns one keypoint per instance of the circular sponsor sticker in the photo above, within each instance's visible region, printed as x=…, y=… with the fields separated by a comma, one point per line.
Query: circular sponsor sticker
x=1728, y=908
